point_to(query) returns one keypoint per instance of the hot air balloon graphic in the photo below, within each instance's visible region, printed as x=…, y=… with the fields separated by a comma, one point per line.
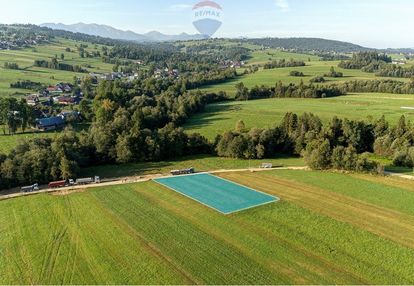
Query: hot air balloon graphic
x=207, y=15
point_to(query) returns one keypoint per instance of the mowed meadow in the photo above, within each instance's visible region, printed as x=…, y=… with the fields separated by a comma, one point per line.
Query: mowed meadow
x=328, y=229
x=264, y=113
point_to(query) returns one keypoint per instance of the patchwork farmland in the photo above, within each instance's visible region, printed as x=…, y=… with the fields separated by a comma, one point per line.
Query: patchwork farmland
x=357, y=230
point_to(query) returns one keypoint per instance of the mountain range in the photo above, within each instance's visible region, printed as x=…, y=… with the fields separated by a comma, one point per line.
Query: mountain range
x=113, y=33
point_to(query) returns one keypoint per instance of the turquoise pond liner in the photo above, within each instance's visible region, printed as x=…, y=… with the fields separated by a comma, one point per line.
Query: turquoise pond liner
x=222, y=195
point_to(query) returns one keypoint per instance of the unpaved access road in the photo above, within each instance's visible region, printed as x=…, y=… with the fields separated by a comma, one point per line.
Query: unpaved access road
x=15, y=193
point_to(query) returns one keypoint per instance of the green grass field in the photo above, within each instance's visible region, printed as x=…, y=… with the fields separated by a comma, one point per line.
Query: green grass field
x=320, y=233
x=264, y=56
x=25, y=59
x=271, y=76
x=9, y=142
x=218, y=118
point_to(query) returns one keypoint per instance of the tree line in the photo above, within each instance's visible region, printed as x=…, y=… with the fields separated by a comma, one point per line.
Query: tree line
x=11, y=66
x=55, y=64
x=382, y=86
x=340, y=144
x=283, y=63
x=27, y=84
x=287, y=91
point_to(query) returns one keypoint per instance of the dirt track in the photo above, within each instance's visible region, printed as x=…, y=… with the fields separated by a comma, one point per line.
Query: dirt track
x=408, y=177
x=125, y=180
x=139, y=179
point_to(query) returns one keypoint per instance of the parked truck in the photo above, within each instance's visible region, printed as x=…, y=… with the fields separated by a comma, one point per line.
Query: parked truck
x=57, y=184
x=29, y=189
x=85, y=181
x=183, y=172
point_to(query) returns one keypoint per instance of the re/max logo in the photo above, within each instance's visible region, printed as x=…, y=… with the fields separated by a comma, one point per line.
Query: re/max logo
x=207, y=13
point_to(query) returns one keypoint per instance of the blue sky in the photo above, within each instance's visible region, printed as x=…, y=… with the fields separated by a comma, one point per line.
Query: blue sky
x=373, y=23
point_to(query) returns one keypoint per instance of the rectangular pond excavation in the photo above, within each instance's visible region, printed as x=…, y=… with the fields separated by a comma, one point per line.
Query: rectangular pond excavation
x=219, y=194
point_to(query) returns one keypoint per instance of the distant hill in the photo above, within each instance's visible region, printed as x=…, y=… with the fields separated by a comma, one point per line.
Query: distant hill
x=113, y=33
x=309, y=44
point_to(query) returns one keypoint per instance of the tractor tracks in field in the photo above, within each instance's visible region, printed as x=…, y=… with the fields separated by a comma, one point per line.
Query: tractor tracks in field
x=379, y=220
x=147, y=245
x=52, y=252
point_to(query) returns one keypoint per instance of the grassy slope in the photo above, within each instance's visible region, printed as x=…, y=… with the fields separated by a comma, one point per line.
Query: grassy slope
x=143, y=233
x=218, y=118
x=26, y=57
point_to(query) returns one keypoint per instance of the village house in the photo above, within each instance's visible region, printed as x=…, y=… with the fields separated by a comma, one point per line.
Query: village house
x=59, y=121
x=53, y=90
x=399, y=62
x=32, y=99
x=50, y=123
x=59, y=88
x=67, y=100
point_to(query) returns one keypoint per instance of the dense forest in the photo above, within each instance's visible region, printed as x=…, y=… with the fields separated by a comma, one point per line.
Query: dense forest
x=307, y=45
x=363, y=60
x=380, y=64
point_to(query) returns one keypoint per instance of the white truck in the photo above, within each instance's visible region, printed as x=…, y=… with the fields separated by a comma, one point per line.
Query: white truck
x=267, y=166
x=29, y=189
x=86, y=181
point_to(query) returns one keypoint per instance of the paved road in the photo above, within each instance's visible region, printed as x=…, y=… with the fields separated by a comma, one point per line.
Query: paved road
x=127, y=180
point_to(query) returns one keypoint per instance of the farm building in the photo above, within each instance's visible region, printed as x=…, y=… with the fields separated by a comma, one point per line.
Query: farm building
x=50, y=123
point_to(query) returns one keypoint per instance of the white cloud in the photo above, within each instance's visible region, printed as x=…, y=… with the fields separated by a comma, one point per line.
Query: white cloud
x=180, y=7
x=282, y=5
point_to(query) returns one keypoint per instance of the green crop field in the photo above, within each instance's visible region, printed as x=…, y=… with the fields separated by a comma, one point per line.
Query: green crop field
x=359, y=230
x=218, y=118
x=25, y=59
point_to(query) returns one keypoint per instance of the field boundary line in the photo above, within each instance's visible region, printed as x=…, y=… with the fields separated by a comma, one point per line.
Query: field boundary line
x=204, y=204
x=276, y=199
